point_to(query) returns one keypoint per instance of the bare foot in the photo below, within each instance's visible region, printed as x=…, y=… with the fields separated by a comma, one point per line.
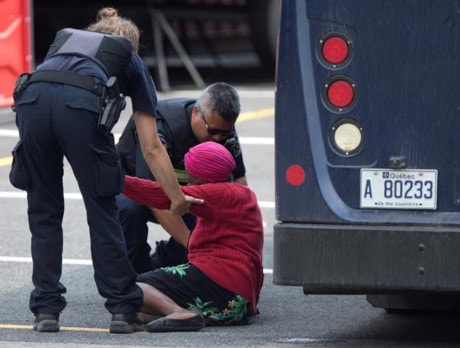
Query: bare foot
x=182, y=315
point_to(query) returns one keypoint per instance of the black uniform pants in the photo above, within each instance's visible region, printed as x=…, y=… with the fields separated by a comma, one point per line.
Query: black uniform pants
x=54, y=121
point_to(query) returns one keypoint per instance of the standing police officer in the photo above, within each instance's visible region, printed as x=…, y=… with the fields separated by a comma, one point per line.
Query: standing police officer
x=65, y=109
x=182, y=123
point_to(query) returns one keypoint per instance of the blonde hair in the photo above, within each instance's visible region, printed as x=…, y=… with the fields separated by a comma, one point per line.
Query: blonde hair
x=108, y=21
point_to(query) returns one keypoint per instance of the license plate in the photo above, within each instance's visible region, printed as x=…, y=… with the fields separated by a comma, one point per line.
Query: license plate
x=398, y=189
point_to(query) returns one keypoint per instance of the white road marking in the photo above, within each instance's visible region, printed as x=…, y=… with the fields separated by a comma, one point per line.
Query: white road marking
x=13, y=259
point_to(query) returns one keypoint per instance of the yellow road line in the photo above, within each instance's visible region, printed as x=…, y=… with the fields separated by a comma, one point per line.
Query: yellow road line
x=252, y=115
x=63, y=328
x=5, y=161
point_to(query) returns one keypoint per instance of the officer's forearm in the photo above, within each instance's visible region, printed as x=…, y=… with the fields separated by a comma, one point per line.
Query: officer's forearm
x=161, y=167
x=158, y=161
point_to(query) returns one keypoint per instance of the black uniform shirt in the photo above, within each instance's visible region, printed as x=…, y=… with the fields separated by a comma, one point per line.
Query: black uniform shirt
x=136, y=82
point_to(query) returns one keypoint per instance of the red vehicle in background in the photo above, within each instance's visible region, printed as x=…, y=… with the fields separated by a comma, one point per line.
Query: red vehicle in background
x=15, y=45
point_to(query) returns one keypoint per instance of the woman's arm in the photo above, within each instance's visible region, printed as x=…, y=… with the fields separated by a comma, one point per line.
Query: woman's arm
x=146, y=192
x=151, y=194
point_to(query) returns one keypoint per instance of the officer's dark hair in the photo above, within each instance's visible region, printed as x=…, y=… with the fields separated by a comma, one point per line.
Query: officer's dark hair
x=108, y=21
x=222, y=98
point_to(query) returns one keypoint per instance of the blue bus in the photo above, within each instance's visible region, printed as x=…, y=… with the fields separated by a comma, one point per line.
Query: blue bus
x=367, y=147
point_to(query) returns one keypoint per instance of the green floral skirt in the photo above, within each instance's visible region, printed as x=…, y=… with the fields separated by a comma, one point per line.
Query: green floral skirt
x=192, y=289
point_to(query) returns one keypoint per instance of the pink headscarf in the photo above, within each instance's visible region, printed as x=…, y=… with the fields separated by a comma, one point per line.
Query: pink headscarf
x=209, y=161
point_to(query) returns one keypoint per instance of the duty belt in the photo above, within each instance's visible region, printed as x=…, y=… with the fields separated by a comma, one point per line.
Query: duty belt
x=89, y=83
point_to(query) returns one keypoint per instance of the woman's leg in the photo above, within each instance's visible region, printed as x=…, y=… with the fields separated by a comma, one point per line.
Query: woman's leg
x=157, y=303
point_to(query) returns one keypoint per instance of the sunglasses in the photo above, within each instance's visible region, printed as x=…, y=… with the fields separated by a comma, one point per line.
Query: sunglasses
x=213, y=131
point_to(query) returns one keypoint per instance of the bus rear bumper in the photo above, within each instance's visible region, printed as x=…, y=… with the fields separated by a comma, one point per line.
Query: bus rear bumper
x=367, y=259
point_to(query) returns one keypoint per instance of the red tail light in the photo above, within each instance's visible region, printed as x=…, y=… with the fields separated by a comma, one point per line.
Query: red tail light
x=340, y=93
x=335, y=50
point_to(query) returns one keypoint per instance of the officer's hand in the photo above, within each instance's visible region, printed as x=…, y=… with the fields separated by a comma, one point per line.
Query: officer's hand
x=184, y=206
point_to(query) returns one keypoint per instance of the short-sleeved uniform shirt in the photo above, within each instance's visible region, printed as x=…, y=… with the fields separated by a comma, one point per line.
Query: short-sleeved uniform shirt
x=136, y=82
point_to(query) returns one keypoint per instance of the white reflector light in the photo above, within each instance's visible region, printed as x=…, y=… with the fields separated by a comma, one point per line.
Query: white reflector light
x=347, y=137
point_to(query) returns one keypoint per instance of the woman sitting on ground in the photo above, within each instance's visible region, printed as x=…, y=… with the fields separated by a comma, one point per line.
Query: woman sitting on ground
x=221, y=283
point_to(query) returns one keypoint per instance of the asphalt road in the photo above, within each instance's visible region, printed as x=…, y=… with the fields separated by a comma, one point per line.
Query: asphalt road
x=287, y=317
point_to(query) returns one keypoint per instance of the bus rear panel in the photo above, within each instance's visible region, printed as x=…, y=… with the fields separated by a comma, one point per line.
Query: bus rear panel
x=367, y=150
